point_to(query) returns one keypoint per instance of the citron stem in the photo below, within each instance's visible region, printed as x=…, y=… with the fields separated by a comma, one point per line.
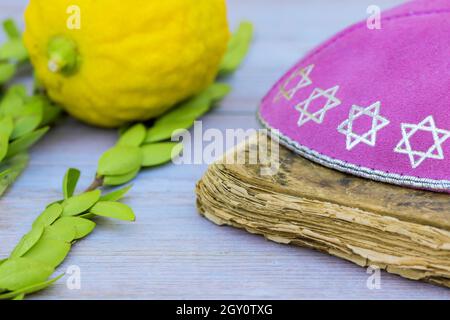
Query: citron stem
x=63, y=55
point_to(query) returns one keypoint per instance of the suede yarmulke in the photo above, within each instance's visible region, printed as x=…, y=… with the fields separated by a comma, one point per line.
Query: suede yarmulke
x=373, y=102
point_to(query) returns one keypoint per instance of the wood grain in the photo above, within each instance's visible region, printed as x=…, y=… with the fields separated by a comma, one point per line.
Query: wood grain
x=171, y=252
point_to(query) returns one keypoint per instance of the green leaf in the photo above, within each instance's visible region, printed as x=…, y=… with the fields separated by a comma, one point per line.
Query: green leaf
x=22, y=272
x=49, y=251
x=13, y=50
x=217, y=91
x=50, y=214
x=30, y=289
x=11, y=29
x=7, y=71
x=237, y=48
x=60, y=232
x=80, y=203
x=51, y=112
x=70, y=182
x=25, y=142
x=160, y=153
x=10, y=170
x=120, y=179
x=183, y=116
x=116, y=195
x=19, y=297
x=29, y=119
x=13, y=100
x=6, y=125
x=82, y=226
x=27, y=242
x=119, y=160
x=4, y=144
x=134, y=136
x=190, y=109
x=115, y=210
x=161, y=132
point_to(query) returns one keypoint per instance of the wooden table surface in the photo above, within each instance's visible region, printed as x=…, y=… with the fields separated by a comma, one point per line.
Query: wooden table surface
x=170, y=252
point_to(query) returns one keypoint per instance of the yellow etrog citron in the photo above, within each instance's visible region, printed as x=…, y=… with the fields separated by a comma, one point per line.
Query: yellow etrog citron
x=108, y=62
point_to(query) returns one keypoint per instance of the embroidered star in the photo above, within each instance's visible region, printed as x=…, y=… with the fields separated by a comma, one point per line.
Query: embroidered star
x=369, y=137
x=319, y=115
x=434, y=152
x=297, y=81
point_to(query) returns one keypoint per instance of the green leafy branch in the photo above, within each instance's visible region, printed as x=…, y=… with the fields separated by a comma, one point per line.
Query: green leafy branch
x=23, y=119
x=12, y=52
x=29, y=267
x=52, y=235
x=141, y=147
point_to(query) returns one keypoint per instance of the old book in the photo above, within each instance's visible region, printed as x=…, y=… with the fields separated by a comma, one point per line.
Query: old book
x=401, y=230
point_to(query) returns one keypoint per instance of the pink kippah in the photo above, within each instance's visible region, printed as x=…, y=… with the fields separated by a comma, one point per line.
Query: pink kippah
x=374, y=103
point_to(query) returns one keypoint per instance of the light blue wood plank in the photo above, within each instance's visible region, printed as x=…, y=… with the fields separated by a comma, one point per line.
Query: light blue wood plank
x=170, y=252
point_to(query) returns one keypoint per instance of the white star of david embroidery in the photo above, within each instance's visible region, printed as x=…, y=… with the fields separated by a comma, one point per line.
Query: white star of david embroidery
x=434, y=152
x=370, y=136
x=301, y=83
x=319, y=115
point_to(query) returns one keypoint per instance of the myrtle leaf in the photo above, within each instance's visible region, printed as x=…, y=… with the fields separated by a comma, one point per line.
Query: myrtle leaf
x=13, y=50
x=28, y=120
x=191, y=109
x=18, y=297
x=70, y=182
x=183, y=116
x=7, y=71
x=4, y=144
x=120, y=179
x=11, y=29
x=80, y=203
x=161, y=132
x=159, y=153
x=6, y=125
x=119, y=160
x=134, y=136
x=60, y=232
x=116, y=195
x=22, y=272
x=49, y=251
x=25, y=142
x=13, y=101
x=29, y=289
x=237, y=48
x=50, y=111
x=115, y=210
x=197, y=105
x=11, y=169
x=50, y=214
x=217, y=91
x=82, y=226
x=27, y=241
